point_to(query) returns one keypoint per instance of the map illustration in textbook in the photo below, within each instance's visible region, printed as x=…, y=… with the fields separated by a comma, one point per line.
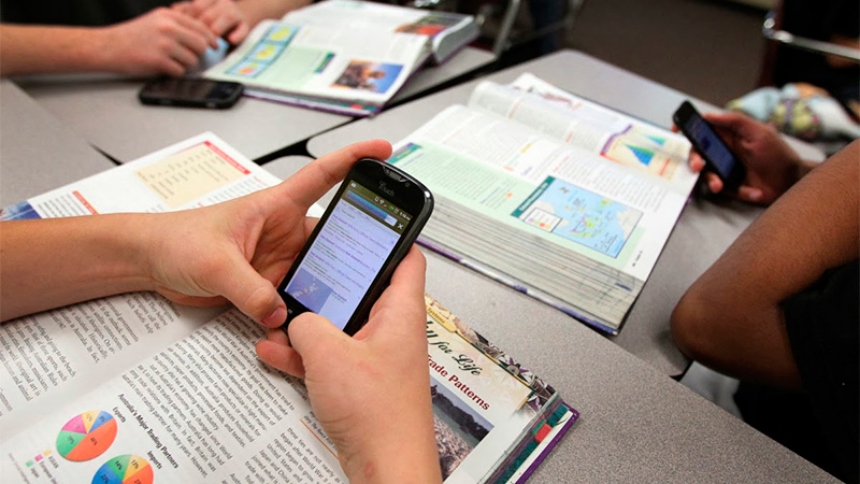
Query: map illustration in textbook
x=580, y=216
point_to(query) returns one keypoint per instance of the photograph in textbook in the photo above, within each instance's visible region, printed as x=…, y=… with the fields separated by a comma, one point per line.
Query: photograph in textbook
x=370, y=76
x=458, y=429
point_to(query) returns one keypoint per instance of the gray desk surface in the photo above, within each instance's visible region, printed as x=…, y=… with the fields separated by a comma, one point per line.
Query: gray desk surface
x=637, y=425
x=37, y=152
x=106, y=112
x=703, y=232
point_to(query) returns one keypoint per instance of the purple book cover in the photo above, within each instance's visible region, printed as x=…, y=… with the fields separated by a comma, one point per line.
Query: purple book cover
x=546, y=449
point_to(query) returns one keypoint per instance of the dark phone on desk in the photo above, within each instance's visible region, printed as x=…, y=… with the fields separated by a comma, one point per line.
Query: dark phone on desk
x=190, y=92
x=366, y=231
x=718, y=157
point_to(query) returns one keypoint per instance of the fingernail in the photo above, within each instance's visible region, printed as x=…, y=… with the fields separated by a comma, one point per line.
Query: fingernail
x=755, y=195
x=275, y=319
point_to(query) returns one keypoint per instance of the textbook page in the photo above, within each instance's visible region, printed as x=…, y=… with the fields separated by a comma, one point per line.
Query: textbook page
x=200, y=171
x=602, y=131
x=562, y=223
x=319, y=61
x=58, y=354
x=204, y=408
x=447, y=31
x=355, y=15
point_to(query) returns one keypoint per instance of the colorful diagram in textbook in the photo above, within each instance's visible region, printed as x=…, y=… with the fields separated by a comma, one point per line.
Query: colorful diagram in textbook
x=265, y=52
x=579, y=215
x=87, y=435
x=641, y=148
x=644, y=155
x=125, y=469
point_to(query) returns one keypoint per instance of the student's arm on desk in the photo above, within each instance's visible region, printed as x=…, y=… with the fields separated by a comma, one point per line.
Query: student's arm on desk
x=162, y=41
x=730, y=319
x=234, y=19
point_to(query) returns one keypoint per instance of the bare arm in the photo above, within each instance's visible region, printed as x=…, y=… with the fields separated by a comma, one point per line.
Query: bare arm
x=236, y=250
x=42, y=49
x=49, y=263
x=730, y=319
x=162, y=41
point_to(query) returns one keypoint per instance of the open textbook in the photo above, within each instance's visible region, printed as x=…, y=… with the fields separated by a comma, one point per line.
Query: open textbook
x=346, y=56
x=556, y=196
x=136, y=389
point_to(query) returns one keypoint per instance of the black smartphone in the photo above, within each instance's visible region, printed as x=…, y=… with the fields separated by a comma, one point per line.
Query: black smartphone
x=190, y=92
x=718, y=157
x=363, y=235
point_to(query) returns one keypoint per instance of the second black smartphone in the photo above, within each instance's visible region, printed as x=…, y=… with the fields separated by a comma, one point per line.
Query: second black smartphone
x=191, y=92
x=349, y=258
x=718, y=157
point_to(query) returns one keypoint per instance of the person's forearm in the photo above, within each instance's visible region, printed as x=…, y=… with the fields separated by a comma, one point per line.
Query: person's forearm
x=731, y=319
x=48, y=49
x=408, y=455
x=55, y=262
x=804, y=167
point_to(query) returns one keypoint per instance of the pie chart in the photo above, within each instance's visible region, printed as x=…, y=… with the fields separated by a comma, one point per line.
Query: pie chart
x=86, y=436
x=124, y=469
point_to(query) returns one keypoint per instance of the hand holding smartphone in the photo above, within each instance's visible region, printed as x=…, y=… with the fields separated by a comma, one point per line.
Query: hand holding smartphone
x=190, y=92
x=717, y=155
x=363, y=235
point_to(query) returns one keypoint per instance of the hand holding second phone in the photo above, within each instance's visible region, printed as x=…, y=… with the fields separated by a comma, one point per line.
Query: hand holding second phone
x=772, y=165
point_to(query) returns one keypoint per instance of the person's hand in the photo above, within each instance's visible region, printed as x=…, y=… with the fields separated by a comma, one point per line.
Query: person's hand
x=241, y=249
x=772, y=166
x=371, y=392
x=220, y=16
x=163, y=41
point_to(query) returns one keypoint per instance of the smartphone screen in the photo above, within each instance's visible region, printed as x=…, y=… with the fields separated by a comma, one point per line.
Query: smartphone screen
x=711, y=145
x=708, y=143
x=348, y=253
